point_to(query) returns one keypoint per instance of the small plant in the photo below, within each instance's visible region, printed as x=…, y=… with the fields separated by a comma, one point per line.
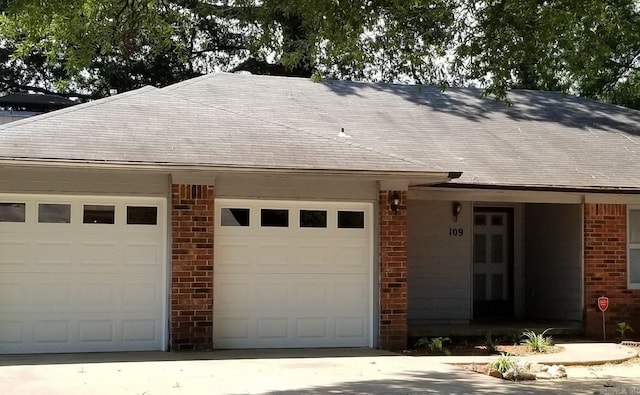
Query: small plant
x=434, y=344
x=537, y=342
x=504, y=364
x=490, y=344
x=622, y=328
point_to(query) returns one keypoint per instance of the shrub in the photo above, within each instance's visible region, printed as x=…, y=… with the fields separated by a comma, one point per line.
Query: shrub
x=434, y=344
x=504, y=364
x=537, y=342
x=622, y=328
x=490, y=344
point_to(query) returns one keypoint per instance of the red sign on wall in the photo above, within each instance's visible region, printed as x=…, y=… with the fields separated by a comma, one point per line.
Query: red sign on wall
x=603, y=303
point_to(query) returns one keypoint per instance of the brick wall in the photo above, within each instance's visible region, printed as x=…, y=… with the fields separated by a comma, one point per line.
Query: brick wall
x=605, y=270
x=393, y=273
x=192, y=267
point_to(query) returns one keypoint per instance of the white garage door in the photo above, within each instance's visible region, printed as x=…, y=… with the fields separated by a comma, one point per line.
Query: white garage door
x=81, y=273
x=292, y=274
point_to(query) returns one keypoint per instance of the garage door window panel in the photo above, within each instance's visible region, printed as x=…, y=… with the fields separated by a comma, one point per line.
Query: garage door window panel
x=54, y=213
x=141, y=215
x=274, y=218
x=235, y=217
x=12, y=212
x=98, y=214
x=313, y=218
x=351, y=219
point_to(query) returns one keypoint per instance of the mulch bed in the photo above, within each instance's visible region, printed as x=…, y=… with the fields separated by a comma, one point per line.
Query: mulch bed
x=477, y=350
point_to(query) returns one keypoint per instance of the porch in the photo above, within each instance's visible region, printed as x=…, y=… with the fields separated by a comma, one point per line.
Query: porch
x=483, y=263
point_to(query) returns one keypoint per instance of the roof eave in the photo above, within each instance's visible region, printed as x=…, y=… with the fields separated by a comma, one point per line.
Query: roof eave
x=412, y=177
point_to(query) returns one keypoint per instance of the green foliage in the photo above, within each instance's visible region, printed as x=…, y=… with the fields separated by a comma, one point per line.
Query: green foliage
x=537, y=342
x=490, y=344
x=504, y=364
x=86, y=47
x=434, y=344
x=623, y=328
x=589, y=47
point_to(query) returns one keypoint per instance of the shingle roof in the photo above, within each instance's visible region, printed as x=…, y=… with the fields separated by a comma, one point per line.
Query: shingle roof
x=543, y=139
x=231, y=120
x=150, y=126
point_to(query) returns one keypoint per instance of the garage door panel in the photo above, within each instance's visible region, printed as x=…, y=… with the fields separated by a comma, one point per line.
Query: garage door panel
x=350, y=327
x=233, y=293
x=273, y=255
x=98, y=253
x=96, y=331
x=293, y=286
x=14, y=252
x=351, y=295
x=72, y=287
x=272, y=328
x=12, y=332
x=66, y=333
x=142, y=253
x=313, y=257
x=312, y=295
x=312, y=328
x=233, y=256
x=273, y=293
x=51, y=253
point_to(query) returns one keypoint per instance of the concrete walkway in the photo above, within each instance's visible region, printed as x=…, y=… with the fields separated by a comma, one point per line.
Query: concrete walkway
x=573, y=354
x=351, y=371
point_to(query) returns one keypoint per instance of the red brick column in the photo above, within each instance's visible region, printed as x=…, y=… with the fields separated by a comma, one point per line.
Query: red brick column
x=605, y=270
x=393, y=273
x=192, y=267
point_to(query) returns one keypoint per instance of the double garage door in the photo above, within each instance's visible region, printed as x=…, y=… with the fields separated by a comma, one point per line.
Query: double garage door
x=292, y=274
x=81, y=273
x=88, y=273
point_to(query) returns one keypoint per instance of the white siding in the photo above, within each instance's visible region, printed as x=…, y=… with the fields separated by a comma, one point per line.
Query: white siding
x=296, y=187
x=64, y=181
x=553, y=261
x=439, y=264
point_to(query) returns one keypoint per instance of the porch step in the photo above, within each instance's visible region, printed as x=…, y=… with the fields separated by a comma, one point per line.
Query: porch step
x=495, y=329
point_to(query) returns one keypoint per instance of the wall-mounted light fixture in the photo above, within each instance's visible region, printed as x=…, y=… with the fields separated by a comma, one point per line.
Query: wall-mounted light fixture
x=395, y=201
x=457, y=208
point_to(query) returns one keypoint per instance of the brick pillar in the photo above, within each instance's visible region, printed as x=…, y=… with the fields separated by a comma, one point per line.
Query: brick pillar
x=192, y=267
x=605, y=270
x=393, y=273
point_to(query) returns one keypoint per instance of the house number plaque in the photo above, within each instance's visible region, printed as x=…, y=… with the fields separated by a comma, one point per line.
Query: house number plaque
x=456, y=232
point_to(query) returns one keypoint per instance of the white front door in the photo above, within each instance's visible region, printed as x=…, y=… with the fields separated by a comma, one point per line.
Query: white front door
x=82, y=273
x=491, y=261
x=292, y=274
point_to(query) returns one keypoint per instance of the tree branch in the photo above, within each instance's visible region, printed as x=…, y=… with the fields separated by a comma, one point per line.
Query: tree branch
x=17, y=86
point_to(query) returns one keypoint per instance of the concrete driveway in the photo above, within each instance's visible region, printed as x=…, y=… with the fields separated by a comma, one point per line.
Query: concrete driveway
x=248, y=372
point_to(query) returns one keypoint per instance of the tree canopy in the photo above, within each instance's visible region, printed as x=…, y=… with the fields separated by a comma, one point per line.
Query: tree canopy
x=84, y=48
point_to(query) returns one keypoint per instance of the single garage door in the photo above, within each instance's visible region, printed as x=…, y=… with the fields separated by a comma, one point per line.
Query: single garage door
x=81, y=273
x=292, y=274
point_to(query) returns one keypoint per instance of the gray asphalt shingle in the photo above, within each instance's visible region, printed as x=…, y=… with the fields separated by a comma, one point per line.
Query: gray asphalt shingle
x=231, y=120
x=150, y=126
x=544, y=139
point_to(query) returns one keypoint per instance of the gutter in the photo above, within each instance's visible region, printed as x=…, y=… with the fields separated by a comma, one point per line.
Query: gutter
x=534, y=188
x=180, y=168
